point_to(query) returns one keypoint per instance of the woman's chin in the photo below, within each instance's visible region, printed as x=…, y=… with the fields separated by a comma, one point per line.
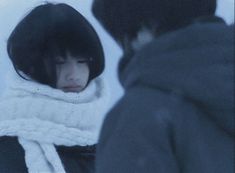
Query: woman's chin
x=73, y=90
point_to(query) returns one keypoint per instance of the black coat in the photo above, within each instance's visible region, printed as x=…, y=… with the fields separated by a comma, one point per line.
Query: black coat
x=177, y=114
x=75, y=159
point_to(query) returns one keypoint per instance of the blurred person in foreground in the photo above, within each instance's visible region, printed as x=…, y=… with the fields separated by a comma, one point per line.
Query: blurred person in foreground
x=177, y=69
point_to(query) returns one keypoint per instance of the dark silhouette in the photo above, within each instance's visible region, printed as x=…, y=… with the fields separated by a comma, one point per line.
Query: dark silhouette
x=177, y=114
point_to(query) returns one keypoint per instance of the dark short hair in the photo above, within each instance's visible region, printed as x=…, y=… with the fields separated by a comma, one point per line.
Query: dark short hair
x=124, y=18
x=52, y=30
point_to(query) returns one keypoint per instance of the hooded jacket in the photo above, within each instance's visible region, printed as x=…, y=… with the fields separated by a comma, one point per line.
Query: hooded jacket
x=177, y=114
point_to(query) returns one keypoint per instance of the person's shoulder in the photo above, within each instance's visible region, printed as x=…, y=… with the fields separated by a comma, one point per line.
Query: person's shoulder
x=12, y=155
x=147, y=104
x=144, y=102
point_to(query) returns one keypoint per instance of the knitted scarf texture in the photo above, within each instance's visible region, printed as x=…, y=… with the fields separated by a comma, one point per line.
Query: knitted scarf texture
x=43, y=117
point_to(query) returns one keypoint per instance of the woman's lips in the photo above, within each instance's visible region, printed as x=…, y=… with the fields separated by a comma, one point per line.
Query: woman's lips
x=72, y=88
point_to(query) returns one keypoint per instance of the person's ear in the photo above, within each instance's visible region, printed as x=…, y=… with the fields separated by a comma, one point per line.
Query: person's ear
x=143, y=37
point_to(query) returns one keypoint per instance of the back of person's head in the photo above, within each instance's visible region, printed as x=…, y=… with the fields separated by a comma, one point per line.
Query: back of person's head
x=124, y=18
x=49, y=31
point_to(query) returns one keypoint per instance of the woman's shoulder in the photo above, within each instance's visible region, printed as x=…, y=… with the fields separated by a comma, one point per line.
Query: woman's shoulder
x=10, y=145
x=78, y=158
x=12, y=155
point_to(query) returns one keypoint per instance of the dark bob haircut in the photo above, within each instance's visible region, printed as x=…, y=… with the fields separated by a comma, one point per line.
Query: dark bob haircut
x=52, y=30
x=124, y=18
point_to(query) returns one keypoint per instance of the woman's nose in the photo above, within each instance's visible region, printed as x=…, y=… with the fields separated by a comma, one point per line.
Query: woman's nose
x=73, y=72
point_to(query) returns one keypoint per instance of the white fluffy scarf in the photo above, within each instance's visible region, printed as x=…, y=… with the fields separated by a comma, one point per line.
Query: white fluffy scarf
x=42, y=117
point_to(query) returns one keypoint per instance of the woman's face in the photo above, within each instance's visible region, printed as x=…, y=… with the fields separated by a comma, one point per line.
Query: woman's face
x=72, y=73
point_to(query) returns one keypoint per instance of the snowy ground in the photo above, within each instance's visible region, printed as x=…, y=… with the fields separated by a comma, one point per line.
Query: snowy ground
x=11, y=11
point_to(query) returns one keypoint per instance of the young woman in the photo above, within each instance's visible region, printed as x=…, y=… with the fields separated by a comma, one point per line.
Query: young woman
x=54, y=105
